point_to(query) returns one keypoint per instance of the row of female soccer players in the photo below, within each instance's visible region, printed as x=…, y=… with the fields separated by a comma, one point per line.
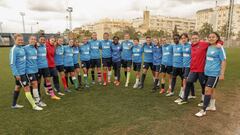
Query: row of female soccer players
x=52, y=57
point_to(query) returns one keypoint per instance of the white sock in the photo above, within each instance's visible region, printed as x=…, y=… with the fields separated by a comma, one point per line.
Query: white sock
x=202, y=97
x=116, y=78
x=36, y=95
x=109, y=75
x=137, y=80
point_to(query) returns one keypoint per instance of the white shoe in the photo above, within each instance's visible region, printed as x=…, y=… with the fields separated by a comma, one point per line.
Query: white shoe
x=178, y=100
x=170, y=94
x=200, y=105
x=135, y=85
x=126, y=84
x=93, y=82
x=37, y=108
x=191, y=97
x=41, y=104
x=17, y=106
x=211, y=108
x=201, y=113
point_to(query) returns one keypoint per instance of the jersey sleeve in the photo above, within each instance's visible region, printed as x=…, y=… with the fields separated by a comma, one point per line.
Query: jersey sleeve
x=12, y=57
x=222, y=54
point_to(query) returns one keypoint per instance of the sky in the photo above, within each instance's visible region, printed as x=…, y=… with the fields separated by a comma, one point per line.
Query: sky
x=51, y=14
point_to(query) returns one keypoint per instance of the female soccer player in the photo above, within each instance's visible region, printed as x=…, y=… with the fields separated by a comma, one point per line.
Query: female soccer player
x=166, y=65
x=84, y=51
x=106, y=58
x=18, y=65
x=59, y=61
x=126, y=56
x=177, y=63
x=214, y=69
x=32, y=68
x=148, y=59
x=68, y=62
x=116, y=59
x=157, y=59
x=137, y=51
x=76, y=62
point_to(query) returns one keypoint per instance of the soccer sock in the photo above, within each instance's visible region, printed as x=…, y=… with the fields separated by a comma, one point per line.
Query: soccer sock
x=104, y=76
x=56, y=83
x=128, y=77
x=99, y=76
x=187, y=90
x=143, y=78
x=109, y=75
x=75, y=82
x=163, y=85
x=15, y=97
x=80, y=79
x=93, y=75
x=118, y=74
x=125, y=73
x=206, y=101
x=155, y=83
x=70, y=78
x=173, y=84
x=193, y=90
x=115, y=78
x=85, y=78
x=50, y=89
x=64, y=81
x=30, y=99
x=137, y=80
x=36, y=95
x=202, y=98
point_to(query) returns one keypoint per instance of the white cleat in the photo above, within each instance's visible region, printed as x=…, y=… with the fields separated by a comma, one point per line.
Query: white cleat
x=211, y=108
x=178, y=100
x=191, y=97
x=37, y=108
x=126, y=84
x=201, y=113
x=41, y=104
x=170, y=94
x=17, y=106
x=200, y=105
x=135, y=85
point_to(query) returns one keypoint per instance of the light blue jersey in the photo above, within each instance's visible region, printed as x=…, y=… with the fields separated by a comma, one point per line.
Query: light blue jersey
x=148, y=53
x=95, y=49
x=84, y=51
x=75, y=54
x=213, y=61
x=31, y=59
x=42, y=56
x=106, y=48
x=186, y=55
x=178, y=56
x=17, y=60
x=68, y=56
x=126, y=50
x=157, y=55
x=137, y=52
x=167, y=57
x=58, y=58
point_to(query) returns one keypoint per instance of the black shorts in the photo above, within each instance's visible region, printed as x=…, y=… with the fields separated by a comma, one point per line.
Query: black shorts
x=95, y=63
x=60, y=68
x=156, y=68
x=44, y=72
x=23, y=81
x=76, y=66
x=177, y=72
x=193, y=76
x=69, y=69
x=126, y=63
x=85, y=64
x=32, y=77
x=186, y=71
x=146, y=65
x=107, y=62
x=166, y=69
x=212, y=81
x=137, y=66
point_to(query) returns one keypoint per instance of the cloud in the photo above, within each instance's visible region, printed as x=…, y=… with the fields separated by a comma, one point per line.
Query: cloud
x=46, y=5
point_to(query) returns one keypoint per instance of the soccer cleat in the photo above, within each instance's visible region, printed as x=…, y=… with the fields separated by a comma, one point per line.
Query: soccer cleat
x=105, y=84
x=168, y=91
x=55, y=98
x=60, y=93
x=191, y=97
x=37, y=108
x=211, y=108
x=67, y=91
x=170, y=94
x=162, y=91
x=178, y=100
x=99, y=83
x=201, y=113
x=46, y=91
x=93, y=82
x=117, y=83
x=126, y=84
x=41, y=104
x=182, y=102
x=140, y=86
x=109, y=81
x=200, y=104
x=135, y=85
x=17, y=106
x=86, y=86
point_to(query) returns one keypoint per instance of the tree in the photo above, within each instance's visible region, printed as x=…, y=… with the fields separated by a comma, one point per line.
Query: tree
x=175, y=31
x=205, y=30
x=131, y=30
x=120, y=34
x=155, y=33
x=41, y=32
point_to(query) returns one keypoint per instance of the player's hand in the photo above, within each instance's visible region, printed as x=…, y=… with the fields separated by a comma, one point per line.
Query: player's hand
x=218, y=45
x=221, y=77
x=18, y=78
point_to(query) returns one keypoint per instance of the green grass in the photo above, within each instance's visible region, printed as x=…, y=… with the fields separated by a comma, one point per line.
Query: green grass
x=109, y=110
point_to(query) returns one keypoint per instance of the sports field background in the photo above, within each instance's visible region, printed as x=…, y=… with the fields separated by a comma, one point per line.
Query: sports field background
x=119, y=111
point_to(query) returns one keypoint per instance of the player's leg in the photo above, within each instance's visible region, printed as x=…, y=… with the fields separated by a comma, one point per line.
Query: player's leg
x=98, y=64
x=16, y=93
x=137, y=68
x=144, y=73
x=109, y=65
x=73, y=76
x=105, y=71
x=54, y=75
x=156, y=78
x=118, y=72
x=129, y=65
x=78, y=73
x=173, y=81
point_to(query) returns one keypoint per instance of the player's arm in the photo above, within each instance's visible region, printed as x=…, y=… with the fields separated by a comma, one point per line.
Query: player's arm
x=13, y=63
x=223, y=63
